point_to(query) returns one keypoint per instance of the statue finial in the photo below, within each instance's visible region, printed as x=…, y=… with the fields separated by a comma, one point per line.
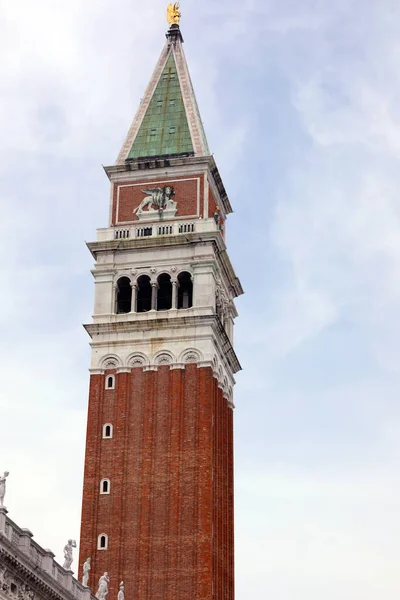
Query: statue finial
x=3, y=486
x=173, y=14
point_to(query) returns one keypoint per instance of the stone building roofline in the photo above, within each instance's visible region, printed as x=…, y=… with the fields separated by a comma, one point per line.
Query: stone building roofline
x=27, y=563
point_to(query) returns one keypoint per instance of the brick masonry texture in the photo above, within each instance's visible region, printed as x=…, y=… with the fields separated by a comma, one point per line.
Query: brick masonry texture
x=169, y=516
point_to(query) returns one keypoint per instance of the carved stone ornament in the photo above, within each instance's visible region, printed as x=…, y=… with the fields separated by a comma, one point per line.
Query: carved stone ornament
x=153, y=271
x=173, y=269
x=191, y=357
x=158, y=202
x=13, y=587
x=163, y=359
x=110, y=363
x=5, y=580
x=137, y=361
x=25, y=592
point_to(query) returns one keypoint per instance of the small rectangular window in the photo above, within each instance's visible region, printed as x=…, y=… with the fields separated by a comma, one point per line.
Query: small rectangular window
x=173, y=75
x=159, y=103
x=172, y=129
x=172, y=102
x=153, y=131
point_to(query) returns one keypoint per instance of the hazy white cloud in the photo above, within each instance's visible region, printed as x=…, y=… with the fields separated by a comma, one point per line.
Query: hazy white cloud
x=303, y=528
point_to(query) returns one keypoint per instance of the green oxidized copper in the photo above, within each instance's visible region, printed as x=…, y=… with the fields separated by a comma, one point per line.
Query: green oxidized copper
x=165, y=128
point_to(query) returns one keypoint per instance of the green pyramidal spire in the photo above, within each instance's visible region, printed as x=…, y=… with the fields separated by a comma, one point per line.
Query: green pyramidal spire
x=165, y=128
x=168, y=120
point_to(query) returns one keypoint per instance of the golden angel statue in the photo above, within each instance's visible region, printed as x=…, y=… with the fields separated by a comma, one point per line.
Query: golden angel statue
x=173, y=14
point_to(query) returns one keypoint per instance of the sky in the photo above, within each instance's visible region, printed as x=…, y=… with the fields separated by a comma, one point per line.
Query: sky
x=300, y=101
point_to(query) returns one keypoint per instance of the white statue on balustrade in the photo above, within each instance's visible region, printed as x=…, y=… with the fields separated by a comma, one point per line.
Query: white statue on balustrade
x=68, y=555
x=102, y=592
x=86, y=569
x=121, y=593
x=3, y=487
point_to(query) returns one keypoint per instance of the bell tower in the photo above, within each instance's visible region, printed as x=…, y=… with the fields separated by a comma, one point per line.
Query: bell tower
x=157, y=508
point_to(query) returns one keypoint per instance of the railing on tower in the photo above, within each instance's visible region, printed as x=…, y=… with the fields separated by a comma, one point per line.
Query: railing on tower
x=130, y=232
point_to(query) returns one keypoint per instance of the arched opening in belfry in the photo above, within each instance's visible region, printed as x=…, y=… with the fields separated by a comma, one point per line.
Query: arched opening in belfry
x=164, y=292
x=185, y=290
x=143, y=294
x=124, y=296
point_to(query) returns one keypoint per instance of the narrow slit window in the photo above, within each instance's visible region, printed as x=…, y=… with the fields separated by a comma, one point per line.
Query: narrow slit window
x=102, y=542
x=110, y=382
x=105, y=486
x=107, y=431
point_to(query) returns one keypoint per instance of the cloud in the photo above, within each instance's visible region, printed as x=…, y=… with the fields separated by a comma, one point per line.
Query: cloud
x=302, y=529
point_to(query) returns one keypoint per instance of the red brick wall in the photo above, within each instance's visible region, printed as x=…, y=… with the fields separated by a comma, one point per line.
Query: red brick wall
x=169, y=516
x=189, y=193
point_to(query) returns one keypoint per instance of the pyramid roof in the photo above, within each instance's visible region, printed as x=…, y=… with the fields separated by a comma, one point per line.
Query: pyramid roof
x=168, y=120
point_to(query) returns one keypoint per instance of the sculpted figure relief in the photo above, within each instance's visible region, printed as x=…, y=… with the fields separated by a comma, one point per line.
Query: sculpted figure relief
x=68, y=557
x=4, y=580
x=3, y=487
x=86, y=569
x=160, y=198
x=102, y=592
x=25, y=592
